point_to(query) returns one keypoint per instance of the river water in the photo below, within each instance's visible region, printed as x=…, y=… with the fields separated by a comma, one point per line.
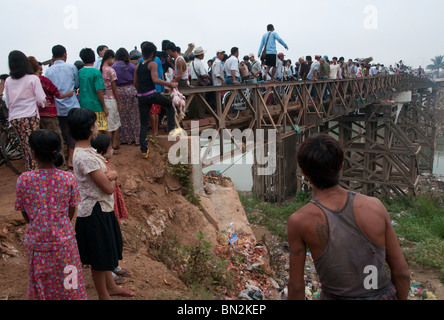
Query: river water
x=438, y=168
x=239, y=169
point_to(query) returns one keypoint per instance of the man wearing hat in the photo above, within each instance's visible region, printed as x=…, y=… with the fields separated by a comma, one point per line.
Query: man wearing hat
x=256, y=69
x=218, y=69
x=197, y=67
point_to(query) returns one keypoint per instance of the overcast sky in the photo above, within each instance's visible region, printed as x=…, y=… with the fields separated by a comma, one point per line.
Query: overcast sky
x=386, y=30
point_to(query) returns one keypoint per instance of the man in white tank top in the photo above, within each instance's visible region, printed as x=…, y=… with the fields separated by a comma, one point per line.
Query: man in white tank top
x=181, y=69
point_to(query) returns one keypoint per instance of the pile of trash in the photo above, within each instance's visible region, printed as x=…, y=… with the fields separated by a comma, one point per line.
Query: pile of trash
x=416, y=292
x=249, y=262
x=430, y=182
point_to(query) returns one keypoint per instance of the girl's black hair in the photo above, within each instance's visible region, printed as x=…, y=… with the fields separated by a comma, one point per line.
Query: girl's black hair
x=108, y=54
x=101, y=143
x=19, y=65
x=87, y=55
x=46, y=145
x=80, y=121
x=123, y=55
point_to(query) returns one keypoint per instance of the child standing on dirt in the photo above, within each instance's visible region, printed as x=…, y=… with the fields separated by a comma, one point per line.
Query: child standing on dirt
x=47, y=198
x=111, y=96
x=98, y=232
x=103, y=146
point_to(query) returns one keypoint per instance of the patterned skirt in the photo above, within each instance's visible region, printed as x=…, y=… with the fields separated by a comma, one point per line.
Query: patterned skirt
x=129, y=117
x=113, y=116
x=23, y=128
x=56, y=275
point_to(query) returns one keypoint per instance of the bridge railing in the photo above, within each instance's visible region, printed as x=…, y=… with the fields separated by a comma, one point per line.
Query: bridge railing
x=293, y=105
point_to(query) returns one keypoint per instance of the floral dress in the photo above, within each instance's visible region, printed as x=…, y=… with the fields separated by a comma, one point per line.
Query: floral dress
x=54, y=268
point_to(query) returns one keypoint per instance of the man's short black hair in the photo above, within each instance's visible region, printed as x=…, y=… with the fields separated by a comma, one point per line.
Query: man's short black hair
x=164, y=44
x=309, y=58
x=148, y=49
x=80, y=122
x=100, y=48
x=321, y=158
x=87, y=55
x=270, y=27
x=234, y=50
x=170, y=46
x=58, y=51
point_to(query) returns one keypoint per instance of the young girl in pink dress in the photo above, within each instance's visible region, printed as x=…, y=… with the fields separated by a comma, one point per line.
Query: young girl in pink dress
x=47, y=198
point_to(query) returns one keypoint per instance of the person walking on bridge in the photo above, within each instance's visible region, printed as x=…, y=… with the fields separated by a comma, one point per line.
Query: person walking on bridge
x=349, y=235
x=267, y=50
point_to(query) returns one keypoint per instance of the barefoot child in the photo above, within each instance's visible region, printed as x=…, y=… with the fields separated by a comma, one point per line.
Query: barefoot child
x=98, y=232
x=102, y=144
x=47, y=198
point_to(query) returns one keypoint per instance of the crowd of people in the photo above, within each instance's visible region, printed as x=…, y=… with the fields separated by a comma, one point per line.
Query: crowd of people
x=92, y=107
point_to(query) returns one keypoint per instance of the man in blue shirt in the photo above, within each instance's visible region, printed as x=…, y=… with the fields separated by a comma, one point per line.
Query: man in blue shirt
x=66, y=78
x=268, y=45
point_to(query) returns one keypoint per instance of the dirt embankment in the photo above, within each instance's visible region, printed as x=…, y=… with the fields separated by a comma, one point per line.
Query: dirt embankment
x=155, y=204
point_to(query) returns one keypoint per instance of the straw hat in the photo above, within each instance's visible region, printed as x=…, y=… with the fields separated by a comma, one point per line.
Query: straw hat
x=198, y=51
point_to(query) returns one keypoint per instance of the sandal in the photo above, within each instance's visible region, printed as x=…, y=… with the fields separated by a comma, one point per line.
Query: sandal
x=119, y=280
x=123, y=273
x=145, y=154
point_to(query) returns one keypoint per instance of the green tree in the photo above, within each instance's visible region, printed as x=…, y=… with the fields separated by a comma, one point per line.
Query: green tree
x=438, y=64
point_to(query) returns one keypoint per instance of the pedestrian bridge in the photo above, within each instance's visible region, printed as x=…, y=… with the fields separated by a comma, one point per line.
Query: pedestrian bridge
x=386, y=124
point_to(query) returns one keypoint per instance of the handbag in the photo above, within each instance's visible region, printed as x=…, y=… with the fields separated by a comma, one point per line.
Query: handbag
x=264, y=52
x=202, y=81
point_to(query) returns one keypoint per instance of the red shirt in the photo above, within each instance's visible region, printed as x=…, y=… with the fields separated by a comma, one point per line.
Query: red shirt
x=51, y=92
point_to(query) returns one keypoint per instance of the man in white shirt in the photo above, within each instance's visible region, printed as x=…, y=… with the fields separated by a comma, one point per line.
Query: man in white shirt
x=279, y=76
x=218, y=70
x=313, y=74
x=232, y=67
x=256, y=69
x=334, y=69
x=197, y=67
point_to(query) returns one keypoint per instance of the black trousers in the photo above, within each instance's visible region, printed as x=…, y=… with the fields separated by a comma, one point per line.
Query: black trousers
x=145, y=104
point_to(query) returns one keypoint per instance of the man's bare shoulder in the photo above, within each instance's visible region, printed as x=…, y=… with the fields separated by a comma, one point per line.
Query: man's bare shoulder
x=304, y=216
x=370, y=204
